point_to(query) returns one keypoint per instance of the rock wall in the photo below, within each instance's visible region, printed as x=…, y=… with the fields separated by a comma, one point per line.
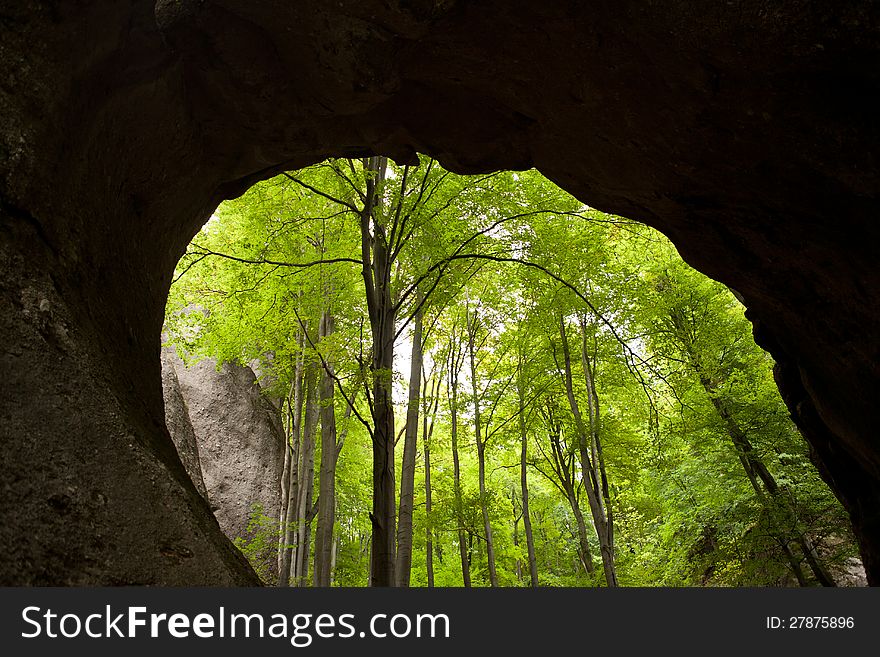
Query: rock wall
x=240, y=443
x=852, y=573
x=178, y=421
x=746, y=131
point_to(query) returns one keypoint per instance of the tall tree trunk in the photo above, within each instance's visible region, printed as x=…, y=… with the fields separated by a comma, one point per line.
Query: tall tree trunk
x=562, y=463
x=599, y=476
x=756, y=470
x=376, y=268
x=516, y=517
x=472, y=325
x=327, y=482
x=284, y=498
x=431, y=401
x=484, y=509
x=384, y=493
x=589, y=466
x=429, y=534
x=792, y=561
x=812, y=557
x=524, y=477
x=306, y=477
x=586, y=557
x=454, y=370
x=333, y=556
x=408, y=469
x=294, y=443
x=459, y=507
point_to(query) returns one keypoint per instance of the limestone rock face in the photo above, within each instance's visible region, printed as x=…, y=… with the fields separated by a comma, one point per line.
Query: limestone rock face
x=240, y=443
x=746, y=131
x=852, y=573
x=178, y=422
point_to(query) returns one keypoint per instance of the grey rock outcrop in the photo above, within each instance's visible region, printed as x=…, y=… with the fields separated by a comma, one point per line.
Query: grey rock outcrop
x=178, y=422
x=239, y=442
x=851, y=573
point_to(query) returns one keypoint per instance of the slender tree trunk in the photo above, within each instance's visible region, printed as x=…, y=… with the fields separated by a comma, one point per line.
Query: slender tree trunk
x=481, y=451
x=600, y=479
x=563, y=466
x=306, y=478
x=427, y=432
x=459, y=507
x=454, y=369
x=286, y=535
x=524, y=478
x=484, y=509
x=756, y=470
x=524, y=482
x=781, y=540
x=792, y=561
x=584, y=550
x=333, y=556
x=812, y=557
x=591, y=479
x=518, y=565
x=294, y=440
x=754, y=467
x=327, y=482
x=408, y=469
x=429, y=534
x=377, y=260
x=285, y=484
x=384, y=494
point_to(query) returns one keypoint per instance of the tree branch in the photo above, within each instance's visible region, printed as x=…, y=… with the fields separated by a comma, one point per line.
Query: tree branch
x=320, y=193
x=332, y=374
x=204, y=252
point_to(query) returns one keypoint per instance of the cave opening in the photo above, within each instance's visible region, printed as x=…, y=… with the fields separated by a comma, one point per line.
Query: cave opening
x=698, y=441
x=749, y=137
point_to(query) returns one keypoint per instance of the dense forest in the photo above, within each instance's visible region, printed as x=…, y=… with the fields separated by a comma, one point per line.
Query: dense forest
x=484, y=382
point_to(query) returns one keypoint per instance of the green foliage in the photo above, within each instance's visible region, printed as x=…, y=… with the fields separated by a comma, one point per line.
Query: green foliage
x=260, y=543
x=672, y=355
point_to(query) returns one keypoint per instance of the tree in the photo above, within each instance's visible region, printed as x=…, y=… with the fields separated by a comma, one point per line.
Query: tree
x=430, y=399
x=454, y=363
x=592, y=464
x=523, y=465
x=329, y=454
x=697, y=323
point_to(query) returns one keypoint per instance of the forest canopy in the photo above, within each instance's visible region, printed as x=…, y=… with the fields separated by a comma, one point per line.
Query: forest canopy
x=484, y=382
